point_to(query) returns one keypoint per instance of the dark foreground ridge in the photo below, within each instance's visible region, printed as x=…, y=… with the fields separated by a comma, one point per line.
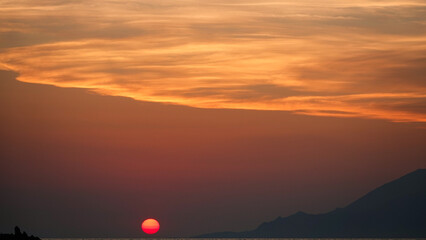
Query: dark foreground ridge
x=394, y=210
x=18, y=236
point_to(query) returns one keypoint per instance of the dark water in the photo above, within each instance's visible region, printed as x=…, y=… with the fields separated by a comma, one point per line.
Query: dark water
x=227, y=238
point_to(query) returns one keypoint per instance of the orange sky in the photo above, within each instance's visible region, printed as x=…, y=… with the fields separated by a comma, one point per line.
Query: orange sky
x=77, y=164
x=359, y=58
x=208, y=115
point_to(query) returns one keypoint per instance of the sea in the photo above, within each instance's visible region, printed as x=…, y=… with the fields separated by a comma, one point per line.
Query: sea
x=233, y=238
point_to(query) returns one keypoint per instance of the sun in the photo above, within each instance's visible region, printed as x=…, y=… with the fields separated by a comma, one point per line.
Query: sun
x=150, y=226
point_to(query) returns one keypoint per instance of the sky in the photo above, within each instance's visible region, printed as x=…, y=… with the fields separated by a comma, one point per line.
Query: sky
x=206, y=115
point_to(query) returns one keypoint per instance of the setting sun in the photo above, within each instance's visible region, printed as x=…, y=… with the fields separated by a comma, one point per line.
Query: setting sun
x=150, y=226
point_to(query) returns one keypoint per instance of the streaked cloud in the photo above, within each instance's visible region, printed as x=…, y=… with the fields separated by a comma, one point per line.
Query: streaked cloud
x=359, y=58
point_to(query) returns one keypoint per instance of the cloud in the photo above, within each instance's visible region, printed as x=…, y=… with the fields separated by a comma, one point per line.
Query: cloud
x=310, y=57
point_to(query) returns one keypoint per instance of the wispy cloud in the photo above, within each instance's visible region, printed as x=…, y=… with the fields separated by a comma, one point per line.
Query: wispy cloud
x=337, y=58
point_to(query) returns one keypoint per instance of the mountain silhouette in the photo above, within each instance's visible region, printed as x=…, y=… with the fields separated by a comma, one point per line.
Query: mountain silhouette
x=394, y=210
x=18, y=236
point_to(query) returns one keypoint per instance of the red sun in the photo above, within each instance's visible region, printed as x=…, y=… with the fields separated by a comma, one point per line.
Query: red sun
x=150, y=226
